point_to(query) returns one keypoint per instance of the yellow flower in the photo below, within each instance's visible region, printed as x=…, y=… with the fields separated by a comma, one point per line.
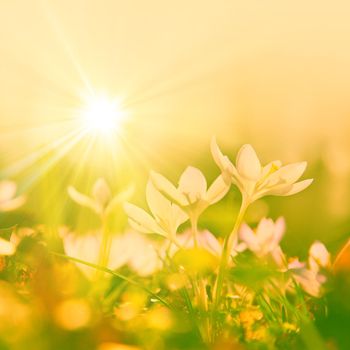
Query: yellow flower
x=191, y=194
x=166, y=219
x=101, y=200
x=8, y=199
x=254, y=180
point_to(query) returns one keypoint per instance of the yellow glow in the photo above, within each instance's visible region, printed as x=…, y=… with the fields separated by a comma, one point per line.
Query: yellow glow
x=101, y=115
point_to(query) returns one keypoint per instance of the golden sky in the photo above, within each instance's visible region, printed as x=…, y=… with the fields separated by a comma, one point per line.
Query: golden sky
x=273, y=73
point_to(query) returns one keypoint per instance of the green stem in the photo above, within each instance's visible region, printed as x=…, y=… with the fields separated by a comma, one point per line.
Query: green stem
x=194, y=228
x=122, y=277
x=105, y=247
x=226, y=253
x=200, y=289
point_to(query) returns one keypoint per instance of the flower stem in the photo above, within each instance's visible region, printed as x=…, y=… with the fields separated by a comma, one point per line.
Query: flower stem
x=226, y=253
x=200, y=288
x=194, y=227
x=105, y=245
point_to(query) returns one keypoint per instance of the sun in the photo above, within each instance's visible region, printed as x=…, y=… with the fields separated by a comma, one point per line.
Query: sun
x=101, y=115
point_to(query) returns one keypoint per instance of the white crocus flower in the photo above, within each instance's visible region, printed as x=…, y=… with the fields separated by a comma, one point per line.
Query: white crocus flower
x=191, y=194
x=254, y=180
x=265, y=239
x=101, y=200
x=319, y=256
x=306, y=278
x=310, y=278
x=166, y=219
x=144, y=257
x=8, y=199
x=130, y=249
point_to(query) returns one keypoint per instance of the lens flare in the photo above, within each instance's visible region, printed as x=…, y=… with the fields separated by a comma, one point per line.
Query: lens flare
x=101, y=115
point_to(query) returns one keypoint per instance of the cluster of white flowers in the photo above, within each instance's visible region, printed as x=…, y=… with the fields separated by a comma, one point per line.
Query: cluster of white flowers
x=127, y=249
x=171, y=206
x=265, y=240
x=311, y=275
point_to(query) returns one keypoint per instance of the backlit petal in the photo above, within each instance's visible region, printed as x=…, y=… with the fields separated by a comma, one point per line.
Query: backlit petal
x=120, y=198
x=84, y=200
x=298, y=187
x=217, y=190
x=101, y=192
x=289, y=173
x=158, y=204
x=220, y=159
x=12, y=204
x=193, y=183
x=7, y=190
x=167, y=189
x=143, y=219
x=248, y=164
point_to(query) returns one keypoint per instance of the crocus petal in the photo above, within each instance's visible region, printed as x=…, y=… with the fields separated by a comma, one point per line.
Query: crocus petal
x=7, y=190
x=209, y=242
x=309, y=282
x=265, y=230
x=83, y=247
x=101, y=192
x=217, y=190
x=280, y=228
x=167, y=189
x=298, y=187
x=12, y=204
x=279, y=257
x=288, y=174
x=120, y=252
x=319, y=253
x=248, y=164
x=158, y=204
x=269, y=169
x=220, y=159
x=278, y=190
x=120, y=198
x=84, y=200
x=193, y=184
x=144, y=260
x=247, y=235
x=142, y=219
x=178, y=217
x=6, y=247
x=295, y=264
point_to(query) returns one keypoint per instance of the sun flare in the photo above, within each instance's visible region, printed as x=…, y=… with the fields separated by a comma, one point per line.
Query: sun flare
x=101, y=115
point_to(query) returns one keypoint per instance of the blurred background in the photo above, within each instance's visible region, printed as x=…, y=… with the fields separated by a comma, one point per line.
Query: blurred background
x=274, y=74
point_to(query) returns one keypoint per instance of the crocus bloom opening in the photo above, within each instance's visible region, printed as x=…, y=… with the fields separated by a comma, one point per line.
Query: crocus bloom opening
x=166, y=219
x=101, y=200
x=192, y=193
x=256, y=181
x=265, y=238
